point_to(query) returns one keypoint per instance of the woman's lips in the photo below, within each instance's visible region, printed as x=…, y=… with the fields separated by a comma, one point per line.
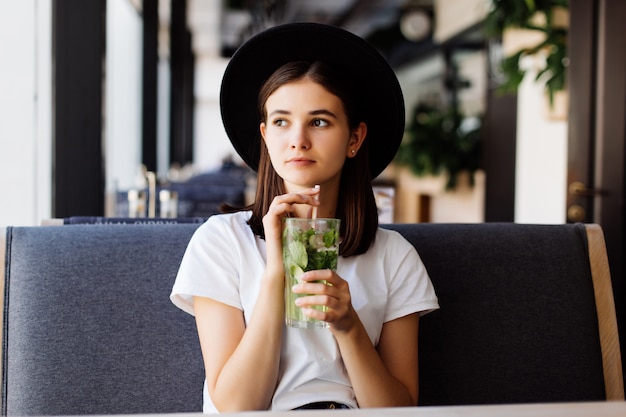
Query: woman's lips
x=300, y=161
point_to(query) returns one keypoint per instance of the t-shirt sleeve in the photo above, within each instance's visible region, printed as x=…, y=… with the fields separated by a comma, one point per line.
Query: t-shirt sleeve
x=208, y=268
x=410, y=288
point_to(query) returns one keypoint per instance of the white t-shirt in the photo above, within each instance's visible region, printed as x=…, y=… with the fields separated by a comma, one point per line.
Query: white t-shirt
x=225, y=260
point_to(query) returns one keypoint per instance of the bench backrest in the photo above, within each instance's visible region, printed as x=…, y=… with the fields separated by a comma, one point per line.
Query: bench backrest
x=88, y=327
x=518, y=321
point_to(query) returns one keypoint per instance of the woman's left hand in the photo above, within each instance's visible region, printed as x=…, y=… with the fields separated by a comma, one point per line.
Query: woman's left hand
x=335, y=295
x=382, y=376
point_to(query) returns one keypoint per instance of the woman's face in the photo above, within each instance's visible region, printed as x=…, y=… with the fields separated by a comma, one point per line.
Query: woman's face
x=307, y=135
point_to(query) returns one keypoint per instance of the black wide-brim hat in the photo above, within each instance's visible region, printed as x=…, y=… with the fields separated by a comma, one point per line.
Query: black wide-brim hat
x=251, y=65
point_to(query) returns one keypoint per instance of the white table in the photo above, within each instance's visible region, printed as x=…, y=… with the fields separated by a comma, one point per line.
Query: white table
x=590, y=409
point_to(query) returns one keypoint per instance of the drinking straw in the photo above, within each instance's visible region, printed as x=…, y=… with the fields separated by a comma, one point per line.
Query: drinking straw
x=317, y=198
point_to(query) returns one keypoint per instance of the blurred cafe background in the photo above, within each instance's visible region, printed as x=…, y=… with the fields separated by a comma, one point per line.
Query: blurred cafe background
x=515, y=109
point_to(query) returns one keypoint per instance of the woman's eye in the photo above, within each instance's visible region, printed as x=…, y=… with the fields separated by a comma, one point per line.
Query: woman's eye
x=320, y=123
x=280, y=122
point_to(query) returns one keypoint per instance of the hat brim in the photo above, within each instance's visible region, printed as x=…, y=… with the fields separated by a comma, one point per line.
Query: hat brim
x=261, y=55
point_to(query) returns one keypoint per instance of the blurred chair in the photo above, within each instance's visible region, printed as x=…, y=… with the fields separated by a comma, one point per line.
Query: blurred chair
x=199, y=196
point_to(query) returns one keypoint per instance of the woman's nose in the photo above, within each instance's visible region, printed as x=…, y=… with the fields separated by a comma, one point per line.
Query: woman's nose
x=300, y=139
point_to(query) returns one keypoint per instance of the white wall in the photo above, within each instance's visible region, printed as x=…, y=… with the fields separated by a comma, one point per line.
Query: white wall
x=211, y=143
x=541, y=162
x=25, y=112
x=123, y=95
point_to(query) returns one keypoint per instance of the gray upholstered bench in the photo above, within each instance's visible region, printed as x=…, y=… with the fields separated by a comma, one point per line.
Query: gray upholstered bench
x=526, y=315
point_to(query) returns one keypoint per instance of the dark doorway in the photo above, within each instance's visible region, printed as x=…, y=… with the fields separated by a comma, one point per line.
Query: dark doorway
x=597, y=130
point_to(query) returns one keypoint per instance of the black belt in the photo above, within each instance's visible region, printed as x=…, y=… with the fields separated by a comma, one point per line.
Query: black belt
x=323, y=405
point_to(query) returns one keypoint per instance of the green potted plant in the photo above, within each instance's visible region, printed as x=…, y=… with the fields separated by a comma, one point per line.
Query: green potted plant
x=441, y=142
x=537, y=16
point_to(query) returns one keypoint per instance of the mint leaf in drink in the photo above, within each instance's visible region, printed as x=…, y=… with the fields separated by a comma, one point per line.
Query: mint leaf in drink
x=322, y=259
x=296, y=254
x=331, y=237
x=296, y=272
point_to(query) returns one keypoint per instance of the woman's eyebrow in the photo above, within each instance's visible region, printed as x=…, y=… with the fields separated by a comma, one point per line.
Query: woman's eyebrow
x=323, y=112
x=278, y=111
x=319, y=112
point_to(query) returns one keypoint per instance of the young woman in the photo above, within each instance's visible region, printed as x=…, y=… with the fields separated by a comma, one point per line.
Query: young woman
x=306, y=105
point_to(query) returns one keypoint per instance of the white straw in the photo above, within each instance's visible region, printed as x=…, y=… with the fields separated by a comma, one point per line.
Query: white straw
x=317, y=198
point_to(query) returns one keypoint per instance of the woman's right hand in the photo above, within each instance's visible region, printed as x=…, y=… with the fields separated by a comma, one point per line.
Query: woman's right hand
x=282, y=206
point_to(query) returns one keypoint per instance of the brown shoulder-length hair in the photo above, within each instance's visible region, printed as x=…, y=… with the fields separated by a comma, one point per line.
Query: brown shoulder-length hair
x=356, y=206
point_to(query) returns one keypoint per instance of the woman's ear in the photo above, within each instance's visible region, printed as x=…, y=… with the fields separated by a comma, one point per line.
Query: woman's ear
x=262, y=129
x=356, y=139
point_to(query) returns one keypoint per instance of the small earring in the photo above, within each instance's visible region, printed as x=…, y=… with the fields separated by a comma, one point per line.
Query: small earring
x=353, y=151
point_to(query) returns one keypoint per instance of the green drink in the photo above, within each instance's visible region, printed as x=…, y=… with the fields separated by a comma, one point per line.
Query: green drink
x=308, y=244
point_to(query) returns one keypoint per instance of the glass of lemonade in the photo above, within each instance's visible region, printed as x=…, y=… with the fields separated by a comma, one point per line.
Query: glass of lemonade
x=308, y=244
